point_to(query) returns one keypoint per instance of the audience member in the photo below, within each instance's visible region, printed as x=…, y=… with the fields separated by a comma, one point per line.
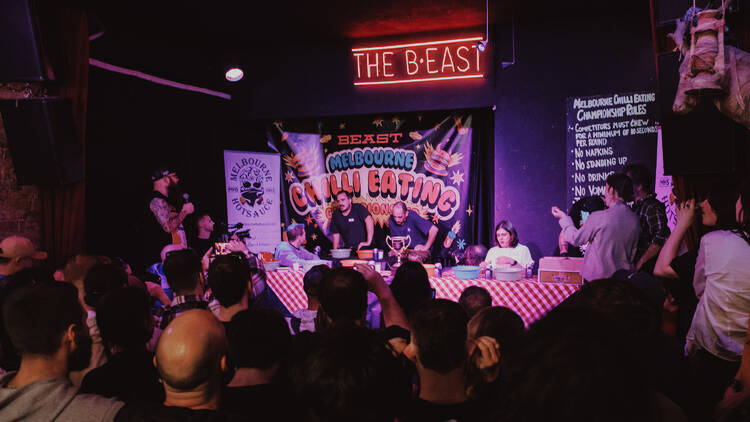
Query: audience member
x=495, y=334
x=230, y=281
x=203, y=240
x=158, y=269
x=473, y=299
x=16, y=253
x=350, y=375
x=475, y=254
x=411, y=286
x=304, y=319
x=192, y=361
x=259, y=342
x=47, y=326
x=612, y=234
x=652, y=215
x=184, y=273
x=579, y=213
x=126, y=324
x=717, y=334
x=578, y=364
x=438, y=348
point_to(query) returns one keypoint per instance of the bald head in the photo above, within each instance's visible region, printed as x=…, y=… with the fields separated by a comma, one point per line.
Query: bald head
x=191, y=350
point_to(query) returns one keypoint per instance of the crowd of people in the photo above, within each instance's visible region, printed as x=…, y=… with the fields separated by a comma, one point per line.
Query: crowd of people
x=199, y=337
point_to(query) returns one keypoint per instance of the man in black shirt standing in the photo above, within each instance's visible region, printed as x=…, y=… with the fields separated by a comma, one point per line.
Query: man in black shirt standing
x=351, y=223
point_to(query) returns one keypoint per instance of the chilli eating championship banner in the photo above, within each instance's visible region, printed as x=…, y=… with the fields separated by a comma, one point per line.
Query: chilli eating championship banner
x=252, y=185
x=422, y=159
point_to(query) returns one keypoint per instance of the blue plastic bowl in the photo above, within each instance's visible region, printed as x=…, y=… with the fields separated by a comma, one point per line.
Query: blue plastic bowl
x=466, y=272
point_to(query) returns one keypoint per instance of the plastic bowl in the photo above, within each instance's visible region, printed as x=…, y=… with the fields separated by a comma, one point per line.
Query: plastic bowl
x=365, y=254
x=465, y=272
x=508, y=273
x=306, y=265
x=270, y=265
x=341, y=253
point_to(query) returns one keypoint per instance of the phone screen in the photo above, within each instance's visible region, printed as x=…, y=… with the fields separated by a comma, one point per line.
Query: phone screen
x=584, y=216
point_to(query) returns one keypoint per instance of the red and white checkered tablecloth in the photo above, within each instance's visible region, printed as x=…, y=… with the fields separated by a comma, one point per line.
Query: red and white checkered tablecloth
x=529, y=298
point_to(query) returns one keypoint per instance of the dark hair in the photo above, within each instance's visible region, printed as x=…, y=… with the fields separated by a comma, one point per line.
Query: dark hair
x=101, y=279
x=348, y=194
x=258, y=338
x=37, y=317
x=500, y=323
x=183, y=269
x=349, y=375
x=411, y=286
x=507, y=226
x=312, y=279
x=473, y=299
x=588, y=204
x=622, y=184
x=343, y=294
x=438, y=328
x=576, y=365
x=198, y=216
x=228, y=277
x=475, y=254
x=294, y=231
x=124, y=318
x=640, y=175
x=722, y=200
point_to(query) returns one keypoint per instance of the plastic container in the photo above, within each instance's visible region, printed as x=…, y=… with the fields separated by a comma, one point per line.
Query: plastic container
x=365, y=254
x=508, y=273
x=342, y=253
x=307, y=264
x=270, y=265
x=465, y=272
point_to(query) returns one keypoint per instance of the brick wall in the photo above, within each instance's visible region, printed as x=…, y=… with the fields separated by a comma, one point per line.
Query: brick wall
x=19, y=205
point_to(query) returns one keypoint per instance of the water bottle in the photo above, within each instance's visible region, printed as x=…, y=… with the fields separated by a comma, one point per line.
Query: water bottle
x=316, y=251
x=438, y=269
x=529, y=270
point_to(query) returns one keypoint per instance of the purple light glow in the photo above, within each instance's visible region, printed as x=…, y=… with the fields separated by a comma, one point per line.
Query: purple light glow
x=234, y=74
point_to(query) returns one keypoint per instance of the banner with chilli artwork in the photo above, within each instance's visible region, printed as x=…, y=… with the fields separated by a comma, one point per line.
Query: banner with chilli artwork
x=423, y=159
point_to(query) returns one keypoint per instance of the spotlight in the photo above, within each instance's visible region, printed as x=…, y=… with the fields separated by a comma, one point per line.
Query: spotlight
x=234, y=74
x=482, y=45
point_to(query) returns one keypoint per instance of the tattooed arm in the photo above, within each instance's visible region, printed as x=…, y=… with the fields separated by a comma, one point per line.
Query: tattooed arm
x=169, y=223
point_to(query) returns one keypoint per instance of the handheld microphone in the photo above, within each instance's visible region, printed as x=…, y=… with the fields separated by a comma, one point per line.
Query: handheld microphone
x=235, y=226
x=186, y=197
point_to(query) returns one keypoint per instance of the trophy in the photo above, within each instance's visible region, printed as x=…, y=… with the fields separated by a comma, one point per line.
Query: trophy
x=398, y=245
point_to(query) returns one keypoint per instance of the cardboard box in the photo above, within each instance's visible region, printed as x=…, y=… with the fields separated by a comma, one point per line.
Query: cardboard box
x=560, y=269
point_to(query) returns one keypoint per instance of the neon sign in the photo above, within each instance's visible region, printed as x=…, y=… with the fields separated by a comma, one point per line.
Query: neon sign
x=418, y=62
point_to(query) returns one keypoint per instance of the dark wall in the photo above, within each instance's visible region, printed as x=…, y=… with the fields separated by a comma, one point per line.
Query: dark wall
x=571, y=51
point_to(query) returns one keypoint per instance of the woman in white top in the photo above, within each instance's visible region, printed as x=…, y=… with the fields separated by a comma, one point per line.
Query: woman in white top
x=507, y=249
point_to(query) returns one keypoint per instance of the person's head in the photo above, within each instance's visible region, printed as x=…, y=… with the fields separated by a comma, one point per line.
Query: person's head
x=164, y=177
x=184, y=272
x=399, y=213
x=411, y=286
x=344, y=200
x=312, y=280
x=718, y=208
x=576, y=365
x=438, y=336
x=506, y=235
x=204, y=223
x=17, y=253
x=349, y=375
x=124, y=318
x=258, y=338
x=229, y=278
x=643, y=181
x=343, y=295
x=48, y=321
x=170, y=248
x=101, y=279
x=618, y=188
x=475, y=254
x=191, y=356
x=296, y=234
x=587, y=205
x=500, y=323
x=473, y=299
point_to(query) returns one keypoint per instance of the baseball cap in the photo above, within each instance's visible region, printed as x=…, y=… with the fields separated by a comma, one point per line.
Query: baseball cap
x=17, y=246
x=161, y=171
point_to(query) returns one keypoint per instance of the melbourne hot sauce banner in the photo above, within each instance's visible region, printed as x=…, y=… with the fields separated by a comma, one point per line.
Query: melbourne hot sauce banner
x=422, y=159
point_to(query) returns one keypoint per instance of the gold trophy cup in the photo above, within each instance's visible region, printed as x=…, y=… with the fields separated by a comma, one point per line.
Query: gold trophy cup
x=398, y=245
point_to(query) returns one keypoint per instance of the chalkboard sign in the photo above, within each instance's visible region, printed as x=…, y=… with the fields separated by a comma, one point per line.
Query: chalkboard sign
x=605, y=133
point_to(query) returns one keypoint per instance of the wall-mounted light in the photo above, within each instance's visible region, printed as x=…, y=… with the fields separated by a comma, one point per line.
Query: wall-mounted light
x=482, y=45
x=234, y=74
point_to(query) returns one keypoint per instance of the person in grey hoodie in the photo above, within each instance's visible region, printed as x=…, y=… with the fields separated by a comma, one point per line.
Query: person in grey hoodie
x=48, y=327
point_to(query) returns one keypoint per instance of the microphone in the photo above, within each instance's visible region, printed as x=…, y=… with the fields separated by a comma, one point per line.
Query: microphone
x=186, y=197
x=235, y=226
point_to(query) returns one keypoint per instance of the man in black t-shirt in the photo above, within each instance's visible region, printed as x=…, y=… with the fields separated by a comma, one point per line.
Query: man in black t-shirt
x=352, y=225
x=203, y=240
x=405, y=223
